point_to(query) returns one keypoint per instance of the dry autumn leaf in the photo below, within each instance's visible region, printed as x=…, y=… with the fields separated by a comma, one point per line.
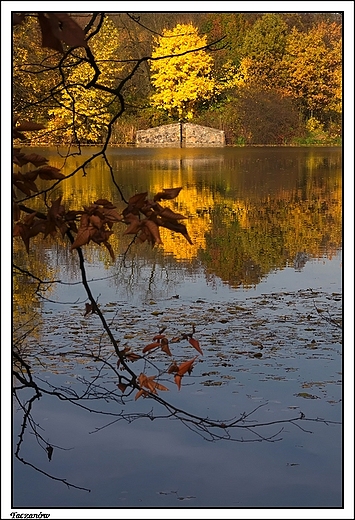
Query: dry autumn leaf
x=35, y=159
x=27, y=126
x=58, y=27
x=138, y=200
x=158, y=337
x=168, y=193
x=169, y=214
x=88, y=309
x=173, y=368
x=182, y=369
x=177, y=379
x=186, y=366
x=195, y=344
x=165, y=346
x=151, y=346
x=122, y=387
x=149, y=383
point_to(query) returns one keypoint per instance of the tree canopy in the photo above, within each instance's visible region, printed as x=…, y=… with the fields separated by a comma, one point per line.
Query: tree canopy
x=296, y=56
x=182, y=80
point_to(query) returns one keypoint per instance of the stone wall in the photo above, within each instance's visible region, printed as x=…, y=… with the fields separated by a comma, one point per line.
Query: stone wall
x=180, y=136
x=197, y=135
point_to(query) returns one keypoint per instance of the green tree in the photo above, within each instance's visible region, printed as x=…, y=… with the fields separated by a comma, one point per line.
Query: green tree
x=262, y=51
x=183, y=79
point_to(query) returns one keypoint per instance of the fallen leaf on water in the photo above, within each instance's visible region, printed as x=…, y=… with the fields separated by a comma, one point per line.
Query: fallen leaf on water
x=306, y=395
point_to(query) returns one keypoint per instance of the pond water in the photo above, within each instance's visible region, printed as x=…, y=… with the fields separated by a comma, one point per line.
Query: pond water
x=260, y=287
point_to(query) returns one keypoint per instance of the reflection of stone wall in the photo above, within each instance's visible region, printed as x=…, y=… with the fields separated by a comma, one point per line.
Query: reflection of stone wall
x=180, y=135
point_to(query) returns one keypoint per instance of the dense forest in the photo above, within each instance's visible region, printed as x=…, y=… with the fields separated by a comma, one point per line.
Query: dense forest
x=263, y=78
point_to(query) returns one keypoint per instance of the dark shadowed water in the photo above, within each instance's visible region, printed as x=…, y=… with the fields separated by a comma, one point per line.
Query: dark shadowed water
x=261, y=286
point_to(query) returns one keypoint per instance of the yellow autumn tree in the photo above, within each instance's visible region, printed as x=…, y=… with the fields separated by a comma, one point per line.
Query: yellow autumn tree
x=34, y=72
x=83, y=113
x=181, y=78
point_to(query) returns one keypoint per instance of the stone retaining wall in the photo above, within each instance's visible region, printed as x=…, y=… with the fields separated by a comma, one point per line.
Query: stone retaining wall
x=180, y=135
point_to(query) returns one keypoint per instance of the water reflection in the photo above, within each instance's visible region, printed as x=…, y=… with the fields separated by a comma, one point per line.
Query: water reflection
x=250, y=210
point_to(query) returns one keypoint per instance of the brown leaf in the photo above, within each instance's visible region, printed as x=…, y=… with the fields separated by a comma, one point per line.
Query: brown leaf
x=82, y=238
x=168, y=214
x=23, y=186
x=50, y=228
x=104, y=202
x=173, y=368
x=139, y=393
x=151, y=346
x=165, y=346
x=50, y=173
x=111, y=214
x=56, y=208
x=48, y=38
x=153, y=231
x=35, y=159
x=17, y=229
x=109, y=248
x=148, y=382
x=122, y=387
x=16, y=211
x=158, y=337
x=66, y=29
x=138, y=200
x=96, y=221
x=134, y=224
x=88, y=309
x=32, y=175
x=131, y=356
x=186, y=367
x=178, y=227
x=24, y=232
x=169, y=193
x=161, y=387
x=98, y=235
x=143, y=237
x=195, y=344
x=177, y=379
x=28, y=126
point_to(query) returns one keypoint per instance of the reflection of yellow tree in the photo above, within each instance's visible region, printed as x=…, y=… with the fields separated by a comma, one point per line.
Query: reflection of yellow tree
x=305, y=214
x=27, y=305
x=248, y=240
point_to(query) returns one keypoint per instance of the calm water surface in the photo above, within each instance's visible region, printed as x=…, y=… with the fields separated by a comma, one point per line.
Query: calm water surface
x=266, y=225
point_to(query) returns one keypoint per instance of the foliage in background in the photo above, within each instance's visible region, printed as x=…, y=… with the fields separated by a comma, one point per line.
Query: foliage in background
x=92, y=108
x=295, y=56
x=181, y=83
x=313, y=63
